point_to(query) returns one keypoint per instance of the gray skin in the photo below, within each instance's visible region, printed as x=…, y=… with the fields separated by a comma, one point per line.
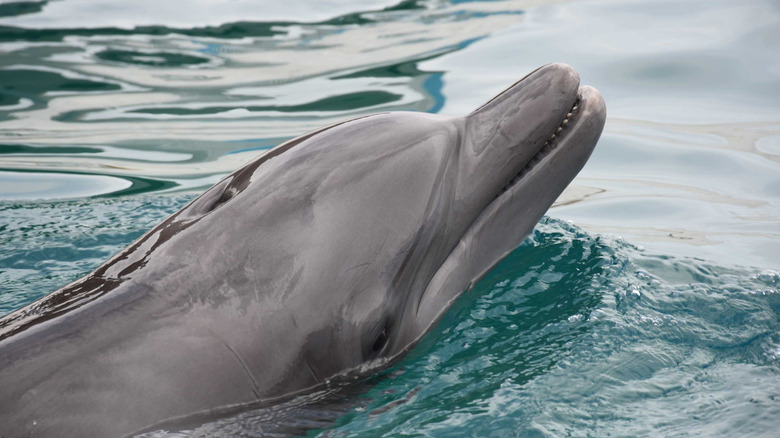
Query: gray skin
x=334, y=253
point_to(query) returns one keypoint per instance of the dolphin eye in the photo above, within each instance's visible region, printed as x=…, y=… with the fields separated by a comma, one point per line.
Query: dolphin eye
x=380, y=341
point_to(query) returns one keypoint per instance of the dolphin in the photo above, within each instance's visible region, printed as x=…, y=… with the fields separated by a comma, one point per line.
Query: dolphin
x=332, y=254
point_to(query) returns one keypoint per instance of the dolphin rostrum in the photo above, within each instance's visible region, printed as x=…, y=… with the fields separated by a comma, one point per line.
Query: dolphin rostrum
x=333, y=253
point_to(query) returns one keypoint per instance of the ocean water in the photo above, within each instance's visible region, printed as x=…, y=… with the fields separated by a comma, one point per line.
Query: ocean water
x=647, y=302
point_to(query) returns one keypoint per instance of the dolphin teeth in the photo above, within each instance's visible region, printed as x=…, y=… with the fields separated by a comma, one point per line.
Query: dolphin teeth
x=548, y=145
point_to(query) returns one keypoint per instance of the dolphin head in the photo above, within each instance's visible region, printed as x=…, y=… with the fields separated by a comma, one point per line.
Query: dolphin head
x=370, y=229
x=401, y=213
x=518, y=152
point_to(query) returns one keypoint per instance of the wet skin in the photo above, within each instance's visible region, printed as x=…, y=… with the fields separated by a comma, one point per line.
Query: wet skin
x=333, y=253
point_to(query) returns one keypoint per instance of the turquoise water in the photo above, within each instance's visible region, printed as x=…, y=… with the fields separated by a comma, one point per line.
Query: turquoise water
x=647, y=303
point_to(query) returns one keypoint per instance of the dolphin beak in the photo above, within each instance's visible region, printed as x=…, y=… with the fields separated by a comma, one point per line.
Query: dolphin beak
x=502, y=136
x=565, y=122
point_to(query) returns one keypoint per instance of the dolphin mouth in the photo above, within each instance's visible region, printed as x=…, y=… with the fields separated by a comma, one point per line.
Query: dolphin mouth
x=567, y=125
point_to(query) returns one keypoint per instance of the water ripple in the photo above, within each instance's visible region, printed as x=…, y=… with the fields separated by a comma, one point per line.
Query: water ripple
x=145, y=88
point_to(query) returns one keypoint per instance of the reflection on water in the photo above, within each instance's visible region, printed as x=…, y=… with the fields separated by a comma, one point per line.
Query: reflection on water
x=114, y=114
x=687, y=163
x=217, y=89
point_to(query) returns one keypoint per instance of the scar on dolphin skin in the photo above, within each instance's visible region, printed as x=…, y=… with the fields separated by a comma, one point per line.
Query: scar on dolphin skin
x=329, y=257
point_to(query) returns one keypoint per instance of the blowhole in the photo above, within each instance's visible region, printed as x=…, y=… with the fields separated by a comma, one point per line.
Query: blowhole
x=226, y=196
